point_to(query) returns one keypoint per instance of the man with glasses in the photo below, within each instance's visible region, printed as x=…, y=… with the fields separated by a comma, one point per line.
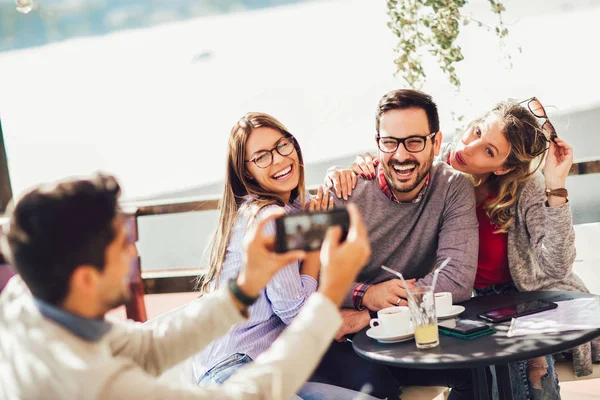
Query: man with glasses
x=418, y=214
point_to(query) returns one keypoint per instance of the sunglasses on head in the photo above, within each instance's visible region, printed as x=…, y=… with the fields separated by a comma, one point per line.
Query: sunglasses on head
x=537, y=109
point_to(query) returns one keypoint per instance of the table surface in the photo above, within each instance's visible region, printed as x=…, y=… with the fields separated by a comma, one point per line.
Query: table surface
x=496, y=349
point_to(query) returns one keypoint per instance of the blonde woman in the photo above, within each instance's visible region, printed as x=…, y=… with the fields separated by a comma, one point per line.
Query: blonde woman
x=526, y=236
x=265, y=170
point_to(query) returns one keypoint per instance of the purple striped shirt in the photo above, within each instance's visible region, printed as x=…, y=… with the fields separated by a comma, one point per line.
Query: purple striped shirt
x=275, y=308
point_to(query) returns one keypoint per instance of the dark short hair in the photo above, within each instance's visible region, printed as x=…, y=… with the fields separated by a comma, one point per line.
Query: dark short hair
x=402, y=99
x=53, y=229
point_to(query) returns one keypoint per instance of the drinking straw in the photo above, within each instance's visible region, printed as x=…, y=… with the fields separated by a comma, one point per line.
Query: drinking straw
x=398, y=274
x=437, y=272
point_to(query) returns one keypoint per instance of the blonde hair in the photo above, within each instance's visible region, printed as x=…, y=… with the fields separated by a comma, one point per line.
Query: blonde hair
x=526, y=139
x=241, y=193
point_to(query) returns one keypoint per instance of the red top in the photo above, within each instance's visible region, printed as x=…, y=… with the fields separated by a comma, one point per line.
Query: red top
x=492, y=266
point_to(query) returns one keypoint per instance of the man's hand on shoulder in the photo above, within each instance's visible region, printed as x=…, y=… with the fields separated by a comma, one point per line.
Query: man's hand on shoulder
x=354, y=321
x=387, y=294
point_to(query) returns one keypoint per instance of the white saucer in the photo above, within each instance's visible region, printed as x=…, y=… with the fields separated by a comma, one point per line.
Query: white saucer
x=378, y=334
x=454, y=311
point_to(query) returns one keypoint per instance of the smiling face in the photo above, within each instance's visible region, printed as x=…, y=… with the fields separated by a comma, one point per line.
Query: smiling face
x=404, y=171
x=282, y=176
x=483, y=148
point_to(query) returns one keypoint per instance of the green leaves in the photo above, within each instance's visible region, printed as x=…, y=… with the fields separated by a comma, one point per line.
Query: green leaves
x=432, y=25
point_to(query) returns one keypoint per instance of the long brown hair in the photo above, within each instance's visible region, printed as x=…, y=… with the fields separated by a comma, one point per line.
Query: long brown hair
x=239, y=188
x=526, y=139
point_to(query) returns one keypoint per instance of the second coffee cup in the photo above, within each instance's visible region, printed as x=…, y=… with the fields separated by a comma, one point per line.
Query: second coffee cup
x=394, y=320
x=443, y=303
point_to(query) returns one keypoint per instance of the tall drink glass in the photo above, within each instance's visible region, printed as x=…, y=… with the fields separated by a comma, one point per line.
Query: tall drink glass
x=421, y=302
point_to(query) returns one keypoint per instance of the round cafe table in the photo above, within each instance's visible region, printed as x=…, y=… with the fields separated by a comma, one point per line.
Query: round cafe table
x=477, y=354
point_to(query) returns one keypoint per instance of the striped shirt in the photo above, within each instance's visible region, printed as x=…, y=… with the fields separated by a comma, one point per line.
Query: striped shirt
x=275, y=308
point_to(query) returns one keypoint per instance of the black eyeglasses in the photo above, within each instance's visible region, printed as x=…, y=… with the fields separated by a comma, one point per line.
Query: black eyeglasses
x=412, y=144
x=537, y=109
x=264, y=158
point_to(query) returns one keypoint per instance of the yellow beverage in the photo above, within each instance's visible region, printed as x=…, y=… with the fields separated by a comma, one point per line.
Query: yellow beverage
x=427, y=336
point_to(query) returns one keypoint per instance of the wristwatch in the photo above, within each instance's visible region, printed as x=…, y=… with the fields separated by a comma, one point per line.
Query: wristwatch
x=239, y=294
x=562, y=192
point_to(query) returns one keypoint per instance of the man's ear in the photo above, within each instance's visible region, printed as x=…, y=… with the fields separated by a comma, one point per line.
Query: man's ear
x=84, y=279
x=437, y=143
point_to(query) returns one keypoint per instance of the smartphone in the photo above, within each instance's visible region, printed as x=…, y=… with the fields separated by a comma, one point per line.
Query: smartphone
x=465, y=327
x=518, y=310
x=306, y=230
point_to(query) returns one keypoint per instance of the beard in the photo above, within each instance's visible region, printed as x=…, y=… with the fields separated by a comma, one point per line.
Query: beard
x=400, y=185
x=119, y=298
x=118, y=301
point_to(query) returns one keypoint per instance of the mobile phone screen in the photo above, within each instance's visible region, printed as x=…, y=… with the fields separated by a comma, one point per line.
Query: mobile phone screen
x=306, y=230
x=506, y=313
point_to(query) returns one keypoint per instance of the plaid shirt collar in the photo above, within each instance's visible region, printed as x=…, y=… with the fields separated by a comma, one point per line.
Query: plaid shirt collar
x=385, y=188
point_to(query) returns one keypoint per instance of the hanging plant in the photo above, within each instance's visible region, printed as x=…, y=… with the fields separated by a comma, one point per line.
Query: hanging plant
x=433, y=25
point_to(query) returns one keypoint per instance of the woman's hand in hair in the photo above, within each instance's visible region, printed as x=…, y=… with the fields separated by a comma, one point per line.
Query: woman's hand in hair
x=558, y=163
x=341, y=261
x=260, y=260
x=322, y=201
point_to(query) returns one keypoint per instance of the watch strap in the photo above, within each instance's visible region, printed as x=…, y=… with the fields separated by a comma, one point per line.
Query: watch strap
x=239, y=293
x=562, y=192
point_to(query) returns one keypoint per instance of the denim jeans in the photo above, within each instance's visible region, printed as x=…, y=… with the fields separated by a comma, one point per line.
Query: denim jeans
x=522, y=387
x=310, y=391
x=223, y=370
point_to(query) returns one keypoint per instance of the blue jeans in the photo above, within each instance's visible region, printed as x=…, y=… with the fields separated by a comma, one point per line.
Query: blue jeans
x=522, y=387
x=223, y=370
x=310, y=391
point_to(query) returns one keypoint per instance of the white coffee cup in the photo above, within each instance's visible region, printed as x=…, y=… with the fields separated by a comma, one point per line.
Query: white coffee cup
x=443, y=303
x=394, y=320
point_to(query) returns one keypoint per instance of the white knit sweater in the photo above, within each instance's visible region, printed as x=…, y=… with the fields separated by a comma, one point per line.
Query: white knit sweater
x=40, y=359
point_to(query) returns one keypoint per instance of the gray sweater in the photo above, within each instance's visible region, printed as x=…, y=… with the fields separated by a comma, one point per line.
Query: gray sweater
x=413, y=238
x=541, y=253
x=541, y=243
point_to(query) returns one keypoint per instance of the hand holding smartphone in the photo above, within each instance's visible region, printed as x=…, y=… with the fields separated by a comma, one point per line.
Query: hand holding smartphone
x=306, y=230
